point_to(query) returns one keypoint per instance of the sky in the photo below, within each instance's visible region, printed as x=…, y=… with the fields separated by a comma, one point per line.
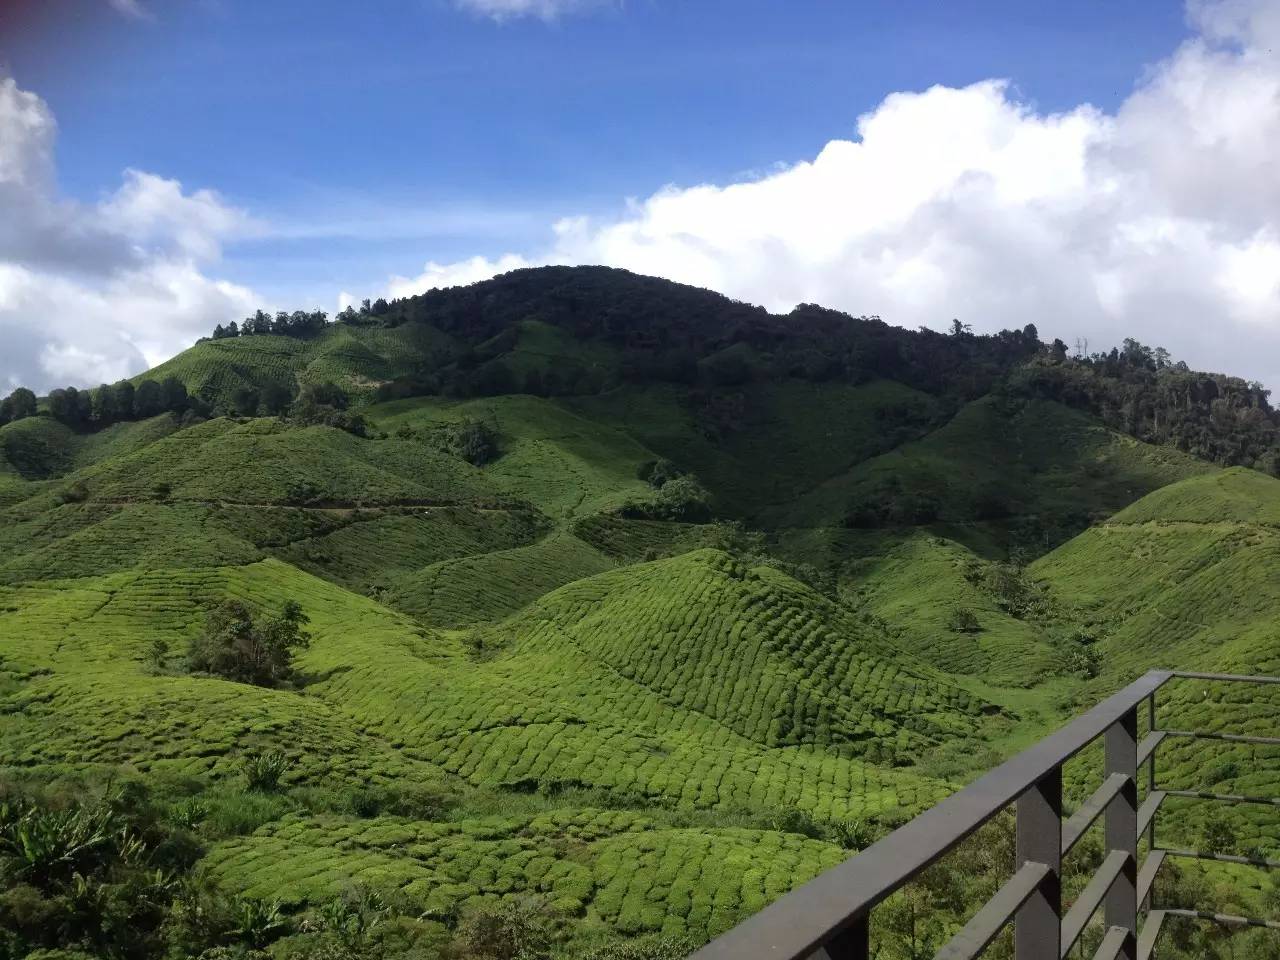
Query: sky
x=1100, y=169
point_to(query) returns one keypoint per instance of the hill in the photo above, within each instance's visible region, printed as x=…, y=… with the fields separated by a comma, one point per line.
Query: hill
x=627, y=608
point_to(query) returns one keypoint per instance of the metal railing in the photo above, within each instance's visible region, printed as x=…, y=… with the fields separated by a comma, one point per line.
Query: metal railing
x=830, y=915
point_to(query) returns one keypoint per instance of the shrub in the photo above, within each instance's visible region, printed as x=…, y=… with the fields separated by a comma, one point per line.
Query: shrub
x=325, y=404
x=964, y=620
x=680, y=498
x=46, y=846
x=157, y=652
x=190, y=813
x=236, y=646
x=352, y=916
x=77, y=492
x=1219, y=835
x=263, y=771
x=515, y=929
x=474, y=441
x=853, y=834
x=796, y=821
x=257, y=923
x=656, y=473
x=644, y=948
x=1083, y=661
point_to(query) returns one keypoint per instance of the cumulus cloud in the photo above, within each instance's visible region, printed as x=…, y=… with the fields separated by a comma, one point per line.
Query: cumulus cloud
x=1159, y=221
x=501, y=10
x=95, y=292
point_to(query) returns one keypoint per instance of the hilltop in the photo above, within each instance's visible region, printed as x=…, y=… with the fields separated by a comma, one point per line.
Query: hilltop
x=607, y=609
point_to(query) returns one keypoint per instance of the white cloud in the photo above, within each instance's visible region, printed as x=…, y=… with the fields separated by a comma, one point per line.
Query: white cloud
x=1160, y=221
x=95, y=292
x=501, y=10
x=453, y=274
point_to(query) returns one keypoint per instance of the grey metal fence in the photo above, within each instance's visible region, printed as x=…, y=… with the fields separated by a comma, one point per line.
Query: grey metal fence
x=830, y=916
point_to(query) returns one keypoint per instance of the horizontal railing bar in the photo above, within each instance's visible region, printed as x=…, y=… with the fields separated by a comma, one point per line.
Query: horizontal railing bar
x=1148, y=745
x=1232, y=737
x=986, y=924
x=1224, y=858
x=1229, y=919
x=1150, y=934
x=1149, y=808
x=1112, y=944
x=1224, y=797
x=1226, y=677
x=796, y=924
x=1090, y=898
x=1147, y=874
x=1091, y=809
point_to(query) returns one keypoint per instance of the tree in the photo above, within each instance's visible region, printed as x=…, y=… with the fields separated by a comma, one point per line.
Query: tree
x=102, y=405
x=148, y=400
x=326, y=403
x=964, y=620
x=237, y=646
x=684, y=498
x=22, y=403
x=67, y=406
x=275, y=399
x=493, y=379
x=174, y=393
x=244, y=401
x=474, y=441
x=123, y=392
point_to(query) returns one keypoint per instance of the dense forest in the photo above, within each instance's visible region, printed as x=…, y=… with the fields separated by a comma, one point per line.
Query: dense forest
x=667, y=332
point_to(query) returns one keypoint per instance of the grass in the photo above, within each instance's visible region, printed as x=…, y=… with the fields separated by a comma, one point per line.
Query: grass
x=617, y=716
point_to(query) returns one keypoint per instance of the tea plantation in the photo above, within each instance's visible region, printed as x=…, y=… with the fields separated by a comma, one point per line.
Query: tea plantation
x=606, y=669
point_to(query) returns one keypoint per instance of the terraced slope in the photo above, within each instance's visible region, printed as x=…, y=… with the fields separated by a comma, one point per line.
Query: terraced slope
x=1050, y=468
x=358, y=357
x=1184, y=578
x=653, y=724
x=767, y=443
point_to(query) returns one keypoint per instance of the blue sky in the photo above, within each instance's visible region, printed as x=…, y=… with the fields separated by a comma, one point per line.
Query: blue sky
x=377, y=136
x=850, y=153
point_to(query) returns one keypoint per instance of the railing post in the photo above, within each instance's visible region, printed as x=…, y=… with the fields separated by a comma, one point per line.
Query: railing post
x=1151, y=771
x=1037, y=928
x=852, y=943
x=1121, y=905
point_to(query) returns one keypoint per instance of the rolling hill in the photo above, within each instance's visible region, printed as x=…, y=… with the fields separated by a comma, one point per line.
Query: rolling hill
x=538, y=683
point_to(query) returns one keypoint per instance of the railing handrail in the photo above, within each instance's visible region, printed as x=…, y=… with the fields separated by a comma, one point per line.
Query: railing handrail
x=793, y=926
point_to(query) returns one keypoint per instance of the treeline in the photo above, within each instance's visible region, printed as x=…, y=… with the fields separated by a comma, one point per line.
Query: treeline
x=300, y=323
x=314, y=403
x=103, y=405
x=1142, y=391
x=663, y=331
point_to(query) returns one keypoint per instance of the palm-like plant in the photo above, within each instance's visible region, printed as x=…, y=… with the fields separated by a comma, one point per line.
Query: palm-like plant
x=44, y=846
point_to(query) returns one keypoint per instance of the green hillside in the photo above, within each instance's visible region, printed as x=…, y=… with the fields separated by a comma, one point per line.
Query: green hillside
x=627, y=609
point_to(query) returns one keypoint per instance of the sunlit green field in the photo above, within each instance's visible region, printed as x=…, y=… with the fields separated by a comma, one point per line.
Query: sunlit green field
x=516, y=689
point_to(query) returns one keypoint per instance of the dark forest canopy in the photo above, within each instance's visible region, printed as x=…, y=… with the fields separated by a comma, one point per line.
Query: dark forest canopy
x=670, y=332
